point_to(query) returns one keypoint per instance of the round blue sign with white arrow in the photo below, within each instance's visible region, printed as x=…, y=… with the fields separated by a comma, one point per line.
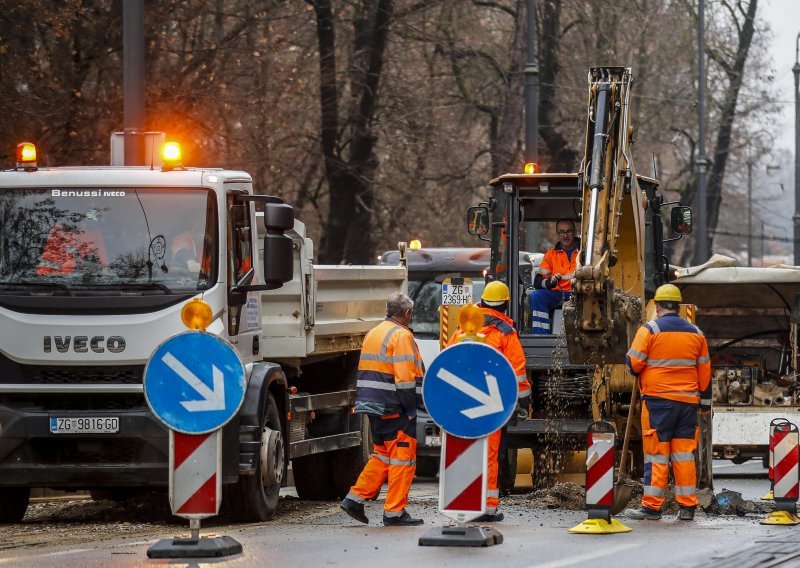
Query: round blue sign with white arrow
x=470, y=390
x=194, y=382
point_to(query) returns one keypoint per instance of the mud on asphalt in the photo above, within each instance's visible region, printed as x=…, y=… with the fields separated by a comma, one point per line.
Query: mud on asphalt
x=73, y=520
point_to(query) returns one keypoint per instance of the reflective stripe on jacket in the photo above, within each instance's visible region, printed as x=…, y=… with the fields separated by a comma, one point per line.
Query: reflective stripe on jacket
x=670, y=356
x=500, y=334
x=556, y=260
x=390, y=371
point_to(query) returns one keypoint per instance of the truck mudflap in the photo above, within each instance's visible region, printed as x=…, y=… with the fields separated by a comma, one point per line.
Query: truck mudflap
x=137, y=455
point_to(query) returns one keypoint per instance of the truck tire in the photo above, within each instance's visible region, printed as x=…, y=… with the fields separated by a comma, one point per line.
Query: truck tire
x=254, y=498
x=427, y=466
x=13, y=503
x=313, y=477
x=347, y=464
x=507, y=474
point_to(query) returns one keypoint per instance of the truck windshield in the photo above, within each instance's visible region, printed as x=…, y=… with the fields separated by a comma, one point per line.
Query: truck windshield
x=121, y=240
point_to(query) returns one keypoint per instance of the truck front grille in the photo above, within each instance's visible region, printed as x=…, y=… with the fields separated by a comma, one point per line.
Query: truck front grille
x=46, y=402
x=13, y=373
x=85, y=451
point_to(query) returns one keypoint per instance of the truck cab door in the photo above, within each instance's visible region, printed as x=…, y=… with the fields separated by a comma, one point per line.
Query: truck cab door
x=244, y=320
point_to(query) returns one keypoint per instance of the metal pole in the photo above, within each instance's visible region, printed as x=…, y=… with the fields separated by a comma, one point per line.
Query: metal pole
x=702, y=250
x=531, y=90
x=796, y=217
x=533, y=235
x=133, y=81
x=750, y=212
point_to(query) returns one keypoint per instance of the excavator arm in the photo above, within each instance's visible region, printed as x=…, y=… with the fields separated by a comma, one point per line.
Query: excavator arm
x=608, y=288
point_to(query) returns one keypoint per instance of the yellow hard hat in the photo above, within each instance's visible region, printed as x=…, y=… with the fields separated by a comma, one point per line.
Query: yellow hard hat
x=495, y=292
x=668, y=293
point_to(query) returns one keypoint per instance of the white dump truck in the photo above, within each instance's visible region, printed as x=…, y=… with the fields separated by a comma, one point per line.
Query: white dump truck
x=96, y=264
x=750, y=318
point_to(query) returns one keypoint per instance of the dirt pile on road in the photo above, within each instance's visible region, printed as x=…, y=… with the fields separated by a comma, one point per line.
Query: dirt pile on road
x=569, y=496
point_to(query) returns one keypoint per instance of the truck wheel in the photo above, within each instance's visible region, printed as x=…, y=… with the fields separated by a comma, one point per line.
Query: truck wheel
x=508, y=472
x=313, y=477
x=13, y=503
x=347, y=464
x=427, y=466
x=254, y=498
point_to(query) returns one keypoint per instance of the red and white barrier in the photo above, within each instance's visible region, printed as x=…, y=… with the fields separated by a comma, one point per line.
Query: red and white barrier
x=600, y=474
x=600, y=446
x=195, y=479
x=462, y=479
x=786, y=475
x=785, y=470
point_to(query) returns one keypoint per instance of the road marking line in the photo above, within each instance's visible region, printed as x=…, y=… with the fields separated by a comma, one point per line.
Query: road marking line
x=587, y=557
x=14, y=559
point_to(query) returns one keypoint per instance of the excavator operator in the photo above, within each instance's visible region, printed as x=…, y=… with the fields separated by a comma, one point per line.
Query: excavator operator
x=553, y=282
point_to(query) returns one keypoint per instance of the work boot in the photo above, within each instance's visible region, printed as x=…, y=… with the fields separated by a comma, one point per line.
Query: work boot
x=490, y=518
x=643, y=513
x=404, y=520
x=355, y=510
x=686, y=514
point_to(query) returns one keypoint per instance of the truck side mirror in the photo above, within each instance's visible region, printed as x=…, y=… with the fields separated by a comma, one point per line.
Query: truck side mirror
x=478, y=221
x=680, y=220
x=278, y=257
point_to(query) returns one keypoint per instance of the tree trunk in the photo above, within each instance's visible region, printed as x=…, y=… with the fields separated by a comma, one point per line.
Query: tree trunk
x=347, y=235
x=556, y=156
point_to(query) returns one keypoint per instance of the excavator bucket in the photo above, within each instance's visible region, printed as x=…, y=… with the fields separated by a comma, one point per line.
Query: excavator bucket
x=593, y=342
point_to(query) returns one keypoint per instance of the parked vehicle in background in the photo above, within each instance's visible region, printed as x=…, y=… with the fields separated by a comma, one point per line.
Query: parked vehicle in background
x=428, y=268
x=750, y=318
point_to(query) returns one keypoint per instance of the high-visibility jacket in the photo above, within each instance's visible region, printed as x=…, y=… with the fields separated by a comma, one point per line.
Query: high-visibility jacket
x=65, y=247
x=670, y=356
x=557, y=260
x=501, y=334
x=390, y=371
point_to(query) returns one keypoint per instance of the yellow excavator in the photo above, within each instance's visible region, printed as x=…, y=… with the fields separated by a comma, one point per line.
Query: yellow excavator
x=577, y=371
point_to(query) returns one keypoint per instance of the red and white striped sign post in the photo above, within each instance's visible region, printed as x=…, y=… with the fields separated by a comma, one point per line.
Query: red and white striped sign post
x=462, y=493
x=785, y=473
x=195, y=476
x=462, y=480
x=775, y=422
x=601, y=442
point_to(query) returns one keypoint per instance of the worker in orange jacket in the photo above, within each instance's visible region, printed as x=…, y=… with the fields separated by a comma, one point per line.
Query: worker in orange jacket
x=670, y=357
x=500, y=333
x=389, y=391
x=553, y=281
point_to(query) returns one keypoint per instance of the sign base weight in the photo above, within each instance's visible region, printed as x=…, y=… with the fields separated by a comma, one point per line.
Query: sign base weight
x=461, y=536
x=207, y=547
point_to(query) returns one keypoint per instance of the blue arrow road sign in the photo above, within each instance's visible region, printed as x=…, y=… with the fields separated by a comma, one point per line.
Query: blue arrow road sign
x=470, y=390
x=194, y=382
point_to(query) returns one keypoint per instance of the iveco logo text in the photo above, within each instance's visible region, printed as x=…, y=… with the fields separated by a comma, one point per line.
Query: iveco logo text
x=82, y=343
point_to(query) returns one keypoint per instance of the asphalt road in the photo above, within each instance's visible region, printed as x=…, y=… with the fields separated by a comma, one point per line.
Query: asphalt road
x=319, y=534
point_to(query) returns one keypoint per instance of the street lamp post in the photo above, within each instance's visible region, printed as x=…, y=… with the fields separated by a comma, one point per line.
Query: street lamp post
x=749, y=212
x=702, y=246
x=796, y=217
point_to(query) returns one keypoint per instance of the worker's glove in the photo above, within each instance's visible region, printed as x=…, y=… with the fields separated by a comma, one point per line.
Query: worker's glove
x=523, y=407
x=193, y=265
